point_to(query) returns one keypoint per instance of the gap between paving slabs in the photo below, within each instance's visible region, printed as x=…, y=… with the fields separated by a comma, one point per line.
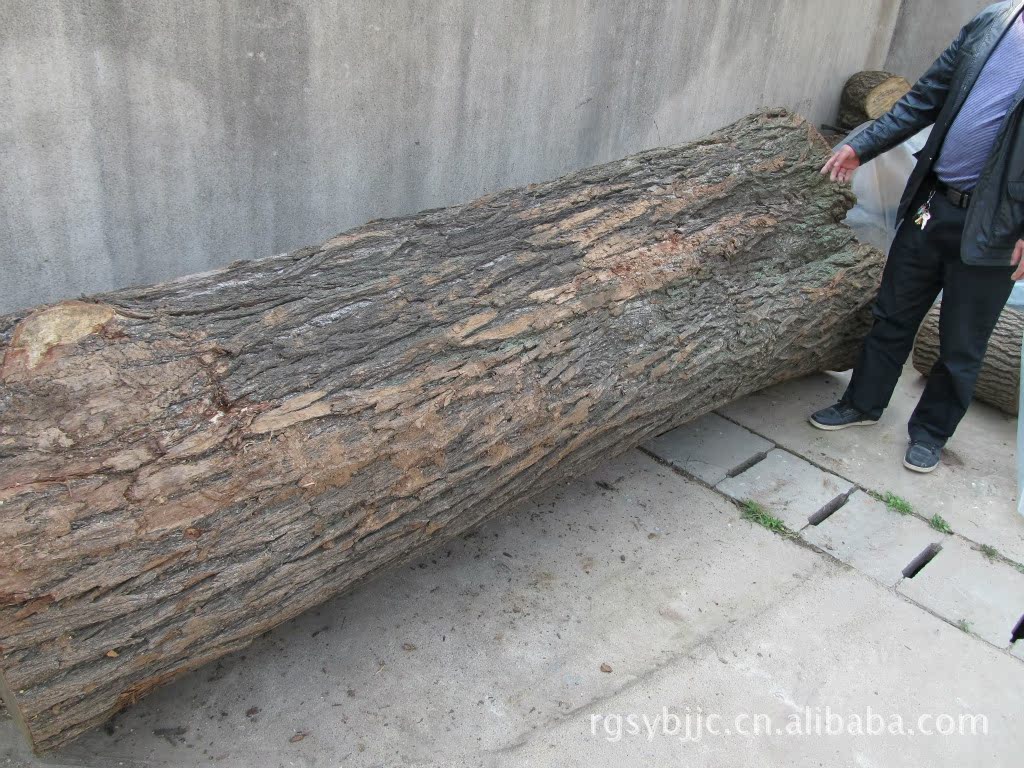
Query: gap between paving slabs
x=981, y=547
x=716, y=452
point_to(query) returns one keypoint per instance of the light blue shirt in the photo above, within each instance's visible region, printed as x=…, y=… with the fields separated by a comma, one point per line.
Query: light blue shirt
x=973, y=133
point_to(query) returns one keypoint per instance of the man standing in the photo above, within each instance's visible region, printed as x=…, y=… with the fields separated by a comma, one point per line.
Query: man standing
x=962, y=228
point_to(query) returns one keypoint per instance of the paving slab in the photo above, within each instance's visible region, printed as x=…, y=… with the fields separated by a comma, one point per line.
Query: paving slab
x=462, y=654
x=709, y=448
x=962, y=584
x=492, y=651
x=975, y=488
x=872, y=538
x=1018, y=649
x=843, y=645
x=790, y=488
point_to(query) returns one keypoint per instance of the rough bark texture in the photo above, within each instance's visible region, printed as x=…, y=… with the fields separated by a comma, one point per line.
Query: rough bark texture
x=182, y=467
x=868, y=96
x=999, y=381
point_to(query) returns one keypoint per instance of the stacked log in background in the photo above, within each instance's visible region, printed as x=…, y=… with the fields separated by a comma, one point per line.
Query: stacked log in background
x=869, y=95
x=185, y=466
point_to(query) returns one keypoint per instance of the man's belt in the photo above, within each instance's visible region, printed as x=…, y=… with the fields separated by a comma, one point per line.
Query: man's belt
x=955, y=196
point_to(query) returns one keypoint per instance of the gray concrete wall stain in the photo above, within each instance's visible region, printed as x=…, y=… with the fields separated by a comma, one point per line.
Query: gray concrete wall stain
x=145, y=140
x=924, y=29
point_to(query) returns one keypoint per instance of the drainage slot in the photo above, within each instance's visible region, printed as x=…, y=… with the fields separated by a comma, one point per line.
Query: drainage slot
x=1018, y=631
x=919, y=562
x=829, y=509
x=739, y=470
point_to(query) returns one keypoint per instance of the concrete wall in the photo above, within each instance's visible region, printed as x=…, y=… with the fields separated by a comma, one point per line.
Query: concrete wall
x=148, y=139
x=924, y=30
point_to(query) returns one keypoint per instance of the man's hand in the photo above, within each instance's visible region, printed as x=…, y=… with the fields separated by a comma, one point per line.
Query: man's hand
x=1018, y=260
x=842, y=164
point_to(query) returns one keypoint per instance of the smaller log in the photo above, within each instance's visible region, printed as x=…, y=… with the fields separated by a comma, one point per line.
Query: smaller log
x=868, y=96
x=999, y=381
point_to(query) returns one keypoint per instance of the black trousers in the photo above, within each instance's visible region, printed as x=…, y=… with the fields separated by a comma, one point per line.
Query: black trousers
x=922, y=263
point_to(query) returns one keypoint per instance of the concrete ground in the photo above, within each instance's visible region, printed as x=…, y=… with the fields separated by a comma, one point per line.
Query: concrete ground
x=603, y=623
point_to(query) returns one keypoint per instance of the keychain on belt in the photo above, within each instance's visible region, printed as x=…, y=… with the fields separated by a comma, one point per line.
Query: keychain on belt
x=924, y=213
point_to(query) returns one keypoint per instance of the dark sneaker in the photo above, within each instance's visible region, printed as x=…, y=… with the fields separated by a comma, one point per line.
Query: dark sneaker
x=840, y=416
x=922, y=457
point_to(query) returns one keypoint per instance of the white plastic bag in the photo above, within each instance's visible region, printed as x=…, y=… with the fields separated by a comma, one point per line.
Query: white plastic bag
x=1017, y=296
x=879, y=187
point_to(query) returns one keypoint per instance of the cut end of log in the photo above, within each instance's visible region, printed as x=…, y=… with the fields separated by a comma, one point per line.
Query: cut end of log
x=869, y=95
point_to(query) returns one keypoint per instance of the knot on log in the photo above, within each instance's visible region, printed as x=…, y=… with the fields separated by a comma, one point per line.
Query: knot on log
x=46, y=329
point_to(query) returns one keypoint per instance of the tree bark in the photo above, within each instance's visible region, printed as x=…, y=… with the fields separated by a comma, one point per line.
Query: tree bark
x=868, y=96
x=185, y=466
x=999, y=381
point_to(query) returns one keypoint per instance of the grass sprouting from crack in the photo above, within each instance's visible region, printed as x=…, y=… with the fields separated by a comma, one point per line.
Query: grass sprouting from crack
x=897, y=504
x=964, y=626
x=756, y=513
x=995, y=556
x=939, y=524
x=893, y=502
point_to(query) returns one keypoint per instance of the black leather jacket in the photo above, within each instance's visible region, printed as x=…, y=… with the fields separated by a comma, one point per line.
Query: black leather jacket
x=995, y=218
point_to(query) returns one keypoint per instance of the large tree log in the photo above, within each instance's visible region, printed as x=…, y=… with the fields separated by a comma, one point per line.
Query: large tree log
x=183, y=467
x=999, y=380
x=868, y=96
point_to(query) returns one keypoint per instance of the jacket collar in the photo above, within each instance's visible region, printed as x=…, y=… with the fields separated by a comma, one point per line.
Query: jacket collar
x=1002, y=21
x=991, y=37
